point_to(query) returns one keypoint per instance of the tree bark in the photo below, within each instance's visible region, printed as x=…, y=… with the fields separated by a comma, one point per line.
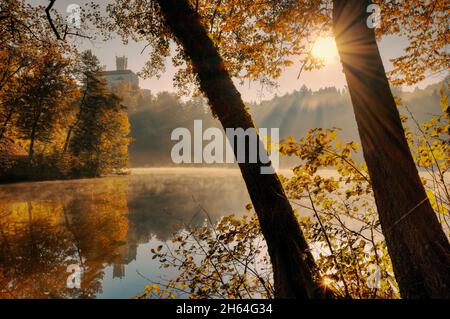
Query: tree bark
x=295, y=272
x=417, y=245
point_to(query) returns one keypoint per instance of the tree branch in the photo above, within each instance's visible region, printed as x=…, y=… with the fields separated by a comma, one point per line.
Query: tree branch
x=50, y=20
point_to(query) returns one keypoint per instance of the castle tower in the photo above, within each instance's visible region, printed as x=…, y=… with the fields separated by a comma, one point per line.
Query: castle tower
x=121, y=63
x=121, y=73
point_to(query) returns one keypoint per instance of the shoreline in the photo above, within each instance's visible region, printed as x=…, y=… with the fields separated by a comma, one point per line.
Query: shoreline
x=142, y=171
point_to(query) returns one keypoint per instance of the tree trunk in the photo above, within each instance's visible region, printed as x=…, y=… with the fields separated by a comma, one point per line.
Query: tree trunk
x=5, y=124
x=67, y=140
x=78, y=119
x=295, y=272
x=31, y=147
x=417, y=245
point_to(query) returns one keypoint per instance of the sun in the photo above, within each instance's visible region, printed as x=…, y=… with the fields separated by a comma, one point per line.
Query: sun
x=325, y=49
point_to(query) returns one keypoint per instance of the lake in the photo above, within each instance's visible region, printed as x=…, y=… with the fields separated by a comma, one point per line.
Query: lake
x=106, y=226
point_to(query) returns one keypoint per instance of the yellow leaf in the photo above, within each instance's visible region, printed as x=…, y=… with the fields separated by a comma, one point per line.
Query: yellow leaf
x=444, y=103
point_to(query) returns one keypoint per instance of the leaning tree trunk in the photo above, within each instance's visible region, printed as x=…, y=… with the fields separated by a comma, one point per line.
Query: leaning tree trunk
x=417, y=245
x=295, y=272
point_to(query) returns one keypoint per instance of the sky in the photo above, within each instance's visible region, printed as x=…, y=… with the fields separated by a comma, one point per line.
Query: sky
x=330, y=75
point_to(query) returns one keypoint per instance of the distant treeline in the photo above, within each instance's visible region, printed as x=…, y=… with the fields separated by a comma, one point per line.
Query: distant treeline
x=153, y=117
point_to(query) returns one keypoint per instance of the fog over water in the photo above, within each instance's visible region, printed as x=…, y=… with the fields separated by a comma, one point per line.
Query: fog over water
x=108, y=225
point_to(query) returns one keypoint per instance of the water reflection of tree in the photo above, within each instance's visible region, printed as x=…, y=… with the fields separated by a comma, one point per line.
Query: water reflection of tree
x=44, y=227
x=40, y=237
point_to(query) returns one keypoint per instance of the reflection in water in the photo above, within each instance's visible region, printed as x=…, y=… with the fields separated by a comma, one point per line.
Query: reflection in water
x=106, y=226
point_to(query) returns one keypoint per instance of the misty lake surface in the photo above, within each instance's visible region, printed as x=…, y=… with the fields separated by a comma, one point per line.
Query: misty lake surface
x=107, y=226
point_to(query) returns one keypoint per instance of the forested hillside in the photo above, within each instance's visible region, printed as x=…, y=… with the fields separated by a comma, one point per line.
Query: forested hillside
x=294, y=114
